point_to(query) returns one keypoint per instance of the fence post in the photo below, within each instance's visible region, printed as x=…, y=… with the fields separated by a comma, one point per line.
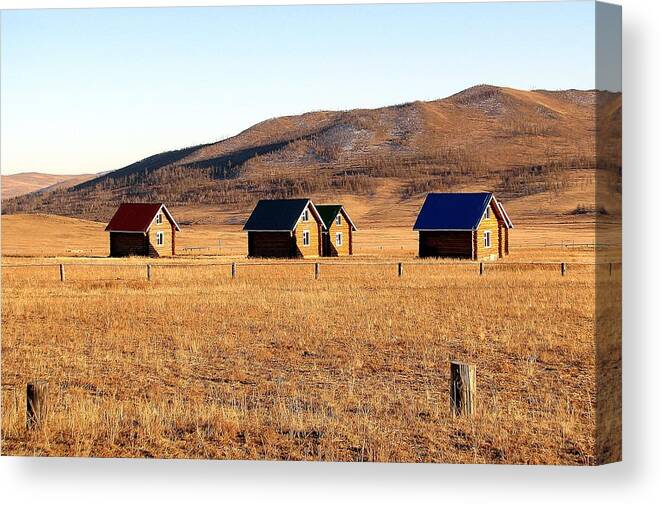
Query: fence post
x=36, y=404
x=610, y=269
x=148, y=272
x=563, y=268
x=481, y=268
x=400, y=269
x=462, y=388
x=233, y=270
x=316, y=270
x=61, y=272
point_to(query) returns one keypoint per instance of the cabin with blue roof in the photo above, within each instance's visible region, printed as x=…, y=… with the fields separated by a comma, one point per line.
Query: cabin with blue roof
x=463, y=225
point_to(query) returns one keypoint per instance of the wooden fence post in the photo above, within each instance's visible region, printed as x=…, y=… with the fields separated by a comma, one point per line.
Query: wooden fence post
x=563, y=268
x=316, y=270
x=37, y=404
x=233, y=270
x=61, y=272
x=481, y=268
x=148, y=272
x=610, y=269
x=400, y=269
x=462, y=388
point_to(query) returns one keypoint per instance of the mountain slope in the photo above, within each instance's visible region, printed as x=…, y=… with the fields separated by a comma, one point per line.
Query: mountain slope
x=515, y=142
x=28, y=182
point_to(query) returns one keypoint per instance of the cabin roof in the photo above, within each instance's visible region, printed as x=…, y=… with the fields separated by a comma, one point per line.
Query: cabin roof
x=279, y=215
x=330, y=211
x=506, y=217
x=137, y=217
x=455, y=211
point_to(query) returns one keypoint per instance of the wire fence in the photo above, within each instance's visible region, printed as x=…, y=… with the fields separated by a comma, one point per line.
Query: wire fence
x=570, y=244
x=395, y=268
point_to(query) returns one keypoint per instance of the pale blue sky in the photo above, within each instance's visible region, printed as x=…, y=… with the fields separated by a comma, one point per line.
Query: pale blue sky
x=96, y=89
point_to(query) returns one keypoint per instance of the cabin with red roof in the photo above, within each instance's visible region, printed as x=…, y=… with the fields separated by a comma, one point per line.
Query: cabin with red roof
x=142, y=229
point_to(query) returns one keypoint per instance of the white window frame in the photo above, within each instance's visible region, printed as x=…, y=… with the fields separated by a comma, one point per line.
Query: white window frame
x=160, y=238
x=306, y=238
x=487, y=214
x=306, y=216
x=338, y=238
x=487, y=239
x=159, y=218
x=338, y=220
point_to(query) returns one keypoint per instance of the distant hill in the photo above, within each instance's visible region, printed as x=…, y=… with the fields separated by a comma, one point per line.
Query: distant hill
x=28, y=182
x=518, y=143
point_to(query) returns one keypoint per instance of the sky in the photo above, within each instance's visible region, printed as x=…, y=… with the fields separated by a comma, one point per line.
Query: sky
x=90, y=90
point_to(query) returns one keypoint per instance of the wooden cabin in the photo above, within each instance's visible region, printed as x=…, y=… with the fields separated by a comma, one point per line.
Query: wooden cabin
x=337, y=238
x=142, y=229
x=463, y=225
x=284, y=229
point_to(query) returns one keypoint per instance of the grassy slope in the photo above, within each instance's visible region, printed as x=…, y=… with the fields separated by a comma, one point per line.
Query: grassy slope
x=48, y=235
x=28, y=182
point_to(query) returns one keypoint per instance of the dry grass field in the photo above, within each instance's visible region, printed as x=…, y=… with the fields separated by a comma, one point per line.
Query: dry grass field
x=276, y=365
x=353, y=366
x=544, y=223
x=348, y=368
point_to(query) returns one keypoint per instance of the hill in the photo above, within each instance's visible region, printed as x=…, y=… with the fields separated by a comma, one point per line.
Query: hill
x=57, y=236
x=28, y=182
x=517, y=143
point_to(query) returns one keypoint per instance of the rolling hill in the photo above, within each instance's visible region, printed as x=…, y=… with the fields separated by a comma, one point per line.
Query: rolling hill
x=29, y=182
x=521, y=144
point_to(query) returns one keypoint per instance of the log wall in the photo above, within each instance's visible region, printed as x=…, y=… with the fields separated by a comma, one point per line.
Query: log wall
x=167, y=249
x=273, y=244
x=330, y=248
x=445, y=244
x=314, y=227
x=128, y=244
x=488, y=224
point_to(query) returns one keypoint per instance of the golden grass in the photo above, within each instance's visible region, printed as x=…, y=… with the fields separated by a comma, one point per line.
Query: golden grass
x=275, y=365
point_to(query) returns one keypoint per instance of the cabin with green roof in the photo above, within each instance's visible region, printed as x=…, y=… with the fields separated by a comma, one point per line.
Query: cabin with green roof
x=337, y=236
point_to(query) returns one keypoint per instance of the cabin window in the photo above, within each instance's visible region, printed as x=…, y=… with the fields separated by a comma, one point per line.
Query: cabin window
x=306, y=215
x=487, y=212
x=159, y=218
x=306, y=237
x=160, y=238
x=487, y=239
x=338, y=239
x=338, y=219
